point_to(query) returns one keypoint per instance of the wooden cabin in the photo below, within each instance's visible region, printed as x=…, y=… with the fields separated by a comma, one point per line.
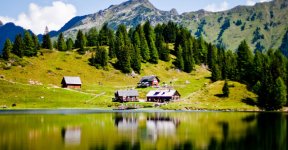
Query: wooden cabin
x=148, y=81
x=126, y=96
x=71, y=82
x=162, y=96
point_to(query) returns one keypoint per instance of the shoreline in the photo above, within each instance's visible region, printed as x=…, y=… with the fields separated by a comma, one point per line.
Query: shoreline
x=67, y=111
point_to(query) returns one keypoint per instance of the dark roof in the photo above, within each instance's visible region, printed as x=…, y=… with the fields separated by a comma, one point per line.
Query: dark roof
x=71, y=80
x=149, y=79
x=127, y=93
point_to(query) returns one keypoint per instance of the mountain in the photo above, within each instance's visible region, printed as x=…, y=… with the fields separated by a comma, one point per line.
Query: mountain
x=262, y=25
x=1, y=24
x=9, y=30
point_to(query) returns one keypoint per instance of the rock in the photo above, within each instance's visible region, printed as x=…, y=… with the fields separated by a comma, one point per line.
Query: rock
x=14, y=105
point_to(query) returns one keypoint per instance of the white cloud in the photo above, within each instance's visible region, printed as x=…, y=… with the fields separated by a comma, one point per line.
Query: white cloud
x=253, y=2
x=215, y=8
x=37, y=18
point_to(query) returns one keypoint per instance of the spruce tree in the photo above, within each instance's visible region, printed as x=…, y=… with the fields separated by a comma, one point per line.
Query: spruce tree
x=244, y=62
x=36, y=42
x=101, y=57
x=225, y=89
x=7, y=50
x=144, y=46
x=80, y=42
x=29, y=47
x=46, y=43
x=231, y=65
x=136, y=55
x=216, y=73
x=61, y=43
x=123, y=48
x=179, y=58
x=280, y=93
x=92, y=37
x=149, y=34
x=18, y=46
x=69, y=44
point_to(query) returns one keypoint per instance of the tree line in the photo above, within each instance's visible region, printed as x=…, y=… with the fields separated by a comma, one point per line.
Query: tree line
x=265, y=73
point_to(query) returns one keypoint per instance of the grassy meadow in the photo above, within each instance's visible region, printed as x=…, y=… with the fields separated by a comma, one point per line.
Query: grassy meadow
x=37, y=84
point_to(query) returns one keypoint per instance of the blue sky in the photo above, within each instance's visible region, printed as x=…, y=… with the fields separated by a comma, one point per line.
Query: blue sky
x=36, y=14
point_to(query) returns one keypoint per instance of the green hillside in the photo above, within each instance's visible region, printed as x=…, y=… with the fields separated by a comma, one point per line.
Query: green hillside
x=37, y=84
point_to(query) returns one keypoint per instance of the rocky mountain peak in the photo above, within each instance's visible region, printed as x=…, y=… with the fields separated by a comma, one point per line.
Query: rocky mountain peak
x=174, y=11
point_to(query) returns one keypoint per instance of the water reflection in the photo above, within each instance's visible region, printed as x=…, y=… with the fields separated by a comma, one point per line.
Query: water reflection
x=199, y=130
x=71, y=135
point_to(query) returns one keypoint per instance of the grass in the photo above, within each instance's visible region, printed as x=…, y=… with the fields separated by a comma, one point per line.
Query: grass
x=48, y=69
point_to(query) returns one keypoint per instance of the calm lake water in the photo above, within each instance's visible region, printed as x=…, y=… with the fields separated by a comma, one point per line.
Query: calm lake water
x=156, y=130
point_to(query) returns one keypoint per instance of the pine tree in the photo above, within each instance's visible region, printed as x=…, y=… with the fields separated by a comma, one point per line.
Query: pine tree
x=144, y=46
x=123, y=48
x=80, y=42
x=244, y=62
x=69, y=44
x=92, y=37
x=29, y=47
x=225, y=89
x=163, y=48
x=46, y=43
x=36, y=42
x=149, y=34
x=280, y=93
x=136, y=60
x=7, y=50
x=101, y=57
x=202, y=47
x=18, y=46
x=61, y=44
x=136, y=56
x=179, y=59
x=231, y=65
x=216, y=73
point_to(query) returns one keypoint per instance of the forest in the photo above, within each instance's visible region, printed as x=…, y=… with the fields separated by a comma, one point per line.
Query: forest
x=264, y=73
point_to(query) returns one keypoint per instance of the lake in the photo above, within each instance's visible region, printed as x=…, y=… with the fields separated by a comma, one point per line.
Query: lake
x=88, y=130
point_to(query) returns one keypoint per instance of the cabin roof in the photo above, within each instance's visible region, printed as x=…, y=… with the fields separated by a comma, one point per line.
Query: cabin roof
x=162, y=93
x=71, y=80
x=149, y=78
x=127, y=93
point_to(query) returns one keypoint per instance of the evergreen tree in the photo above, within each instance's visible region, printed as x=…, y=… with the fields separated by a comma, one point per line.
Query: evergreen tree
x=231, y=65
x=92, y=37
x=101, y=57
x=136, y=56
x=7, y=50
x=29, y=47
x=61, y=44
x=202, y=47
x=149, y=34
x=257, y=67
x=80, y=42
x=136, y=60
x=244, y=62
x=170, y=32
x=104, y=35
x=280, y=93
x=216, y=73
x=46, y=43
x=111, y=41
x=69, y=44
x=36, y=42
x=18, y=46
x=163, y=48
x=144, y=46
x=124, y=48
x=179, y=58
x=225, y=89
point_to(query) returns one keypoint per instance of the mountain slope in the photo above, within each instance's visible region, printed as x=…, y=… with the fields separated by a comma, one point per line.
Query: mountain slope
x=262, y=25
x=9, y=31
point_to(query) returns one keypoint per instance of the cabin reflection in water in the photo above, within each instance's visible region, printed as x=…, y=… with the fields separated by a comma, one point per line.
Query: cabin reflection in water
x=126, y=123
x=161, y=126
x=71, y=135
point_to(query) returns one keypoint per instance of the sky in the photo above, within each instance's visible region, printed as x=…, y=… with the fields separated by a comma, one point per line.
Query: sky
x=37, y=14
